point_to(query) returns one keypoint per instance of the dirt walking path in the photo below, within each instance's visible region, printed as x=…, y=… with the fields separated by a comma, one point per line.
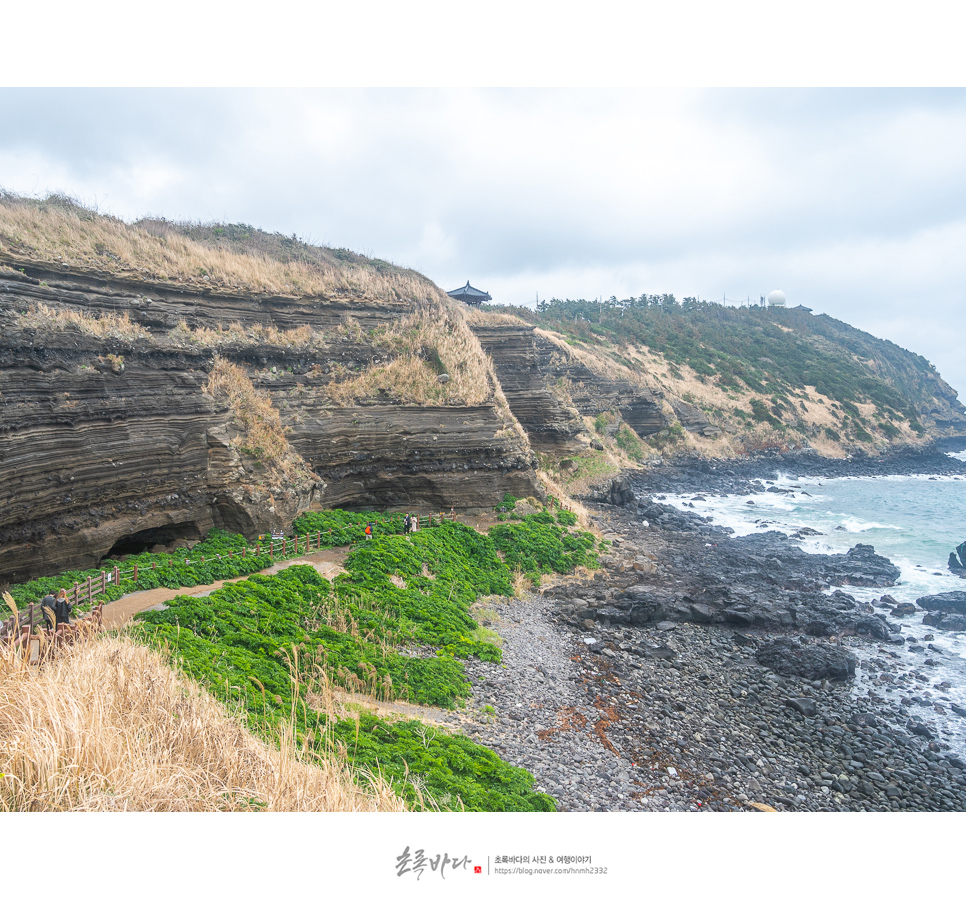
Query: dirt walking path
x=327, y=563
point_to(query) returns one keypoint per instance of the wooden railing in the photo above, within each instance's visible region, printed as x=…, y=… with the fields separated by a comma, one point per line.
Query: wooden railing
x=83, y=593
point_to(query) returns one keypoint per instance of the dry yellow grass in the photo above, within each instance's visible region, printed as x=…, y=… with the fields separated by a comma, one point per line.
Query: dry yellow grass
x=109, y=726
x=598, y=362
x=427, y=344
x=476, y=317
x=57, y=231
x=107, y=326
x=264, y=434
x=236, y=334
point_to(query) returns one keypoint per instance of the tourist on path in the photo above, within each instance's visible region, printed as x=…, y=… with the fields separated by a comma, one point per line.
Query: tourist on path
x=62, y=608
x=47, y=608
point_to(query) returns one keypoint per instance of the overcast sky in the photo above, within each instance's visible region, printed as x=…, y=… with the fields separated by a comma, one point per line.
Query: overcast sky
x=852, y=201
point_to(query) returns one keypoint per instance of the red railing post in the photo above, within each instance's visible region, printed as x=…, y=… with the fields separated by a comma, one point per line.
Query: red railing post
x=271, y=549
x=135, y=573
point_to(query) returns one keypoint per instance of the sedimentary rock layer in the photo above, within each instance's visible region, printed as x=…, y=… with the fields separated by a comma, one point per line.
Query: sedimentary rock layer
x=112, y=443
x=548, y=391
x=163, y=306
x=105, y=442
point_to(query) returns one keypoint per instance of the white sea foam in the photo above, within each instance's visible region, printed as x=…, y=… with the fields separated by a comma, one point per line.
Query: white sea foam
x=854, y=525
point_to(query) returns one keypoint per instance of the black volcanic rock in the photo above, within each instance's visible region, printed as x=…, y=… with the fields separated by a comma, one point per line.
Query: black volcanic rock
x=946, y=611
x=957, y=561
x=948, y=602
x=790, y=658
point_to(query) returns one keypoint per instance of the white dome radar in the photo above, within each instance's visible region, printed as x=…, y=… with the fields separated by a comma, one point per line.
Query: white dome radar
x=776, y=299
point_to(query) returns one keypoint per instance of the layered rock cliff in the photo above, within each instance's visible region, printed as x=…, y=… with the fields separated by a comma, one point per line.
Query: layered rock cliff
x=550, y=389
x=110, y=445
x=159, y=379
x=115, y=437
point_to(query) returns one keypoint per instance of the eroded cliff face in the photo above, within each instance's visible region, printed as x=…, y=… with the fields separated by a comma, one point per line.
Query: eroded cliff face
x=379, y=453
x=115, y=443
x=111, y=444
x=549, y=391
x=163, y=307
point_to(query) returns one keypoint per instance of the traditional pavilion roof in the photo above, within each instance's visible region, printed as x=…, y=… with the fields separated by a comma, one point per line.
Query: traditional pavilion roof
x=469, y=294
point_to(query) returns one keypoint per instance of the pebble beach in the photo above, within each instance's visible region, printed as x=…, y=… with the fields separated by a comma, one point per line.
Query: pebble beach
x=681, y=716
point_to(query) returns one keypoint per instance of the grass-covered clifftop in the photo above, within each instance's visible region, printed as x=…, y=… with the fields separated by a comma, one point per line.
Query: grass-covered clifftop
x=230, y=257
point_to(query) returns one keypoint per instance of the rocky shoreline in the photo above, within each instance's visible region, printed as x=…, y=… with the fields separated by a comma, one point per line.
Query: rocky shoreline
x=743, y=476
x=696, y=672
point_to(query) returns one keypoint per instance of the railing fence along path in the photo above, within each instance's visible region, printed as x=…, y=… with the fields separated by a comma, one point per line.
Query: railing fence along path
x=83, y=593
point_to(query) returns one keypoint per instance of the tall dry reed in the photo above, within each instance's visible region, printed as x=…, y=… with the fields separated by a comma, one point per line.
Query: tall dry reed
x=108, y=726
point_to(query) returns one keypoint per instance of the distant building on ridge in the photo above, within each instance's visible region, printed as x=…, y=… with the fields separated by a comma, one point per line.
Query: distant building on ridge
x=469, y=295
x=776, y=299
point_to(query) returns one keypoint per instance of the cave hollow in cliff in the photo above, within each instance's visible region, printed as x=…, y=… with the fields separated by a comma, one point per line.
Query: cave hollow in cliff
x=168, y=537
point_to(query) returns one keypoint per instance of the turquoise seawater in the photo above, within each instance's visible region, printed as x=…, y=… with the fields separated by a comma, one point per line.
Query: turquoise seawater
x=916, y=521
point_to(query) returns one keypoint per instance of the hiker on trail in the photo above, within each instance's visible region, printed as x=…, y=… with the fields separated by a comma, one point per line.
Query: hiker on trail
x=369, y=531
x=407, y=524
x=62, y=608
x=47, y=608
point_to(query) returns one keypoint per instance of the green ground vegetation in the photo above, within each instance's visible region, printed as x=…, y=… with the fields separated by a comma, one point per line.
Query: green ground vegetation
x=202, y=564
x=539, y=545
x=221, y=555
x=395, y=625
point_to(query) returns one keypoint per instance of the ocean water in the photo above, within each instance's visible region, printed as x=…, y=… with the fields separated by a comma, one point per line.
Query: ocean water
x=916, y=521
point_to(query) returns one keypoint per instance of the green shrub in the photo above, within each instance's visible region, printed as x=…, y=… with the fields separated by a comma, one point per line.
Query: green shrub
x=628, y=441
x=341, y=528
x=668, y=437
x=537, y=546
